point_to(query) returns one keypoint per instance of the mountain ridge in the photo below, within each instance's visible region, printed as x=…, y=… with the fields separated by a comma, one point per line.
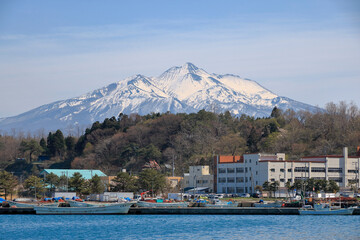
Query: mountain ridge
x=179, y=89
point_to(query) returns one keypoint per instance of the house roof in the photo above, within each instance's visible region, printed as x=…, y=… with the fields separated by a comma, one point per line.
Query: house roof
x=230, y=159
x=86, y=173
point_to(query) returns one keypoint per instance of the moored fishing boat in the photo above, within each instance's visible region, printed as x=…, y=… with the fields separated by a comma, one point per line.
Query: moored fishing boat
x=325, y=209
x=29, y=204
x=111, y=208
x=74, y=203
x=221, y=204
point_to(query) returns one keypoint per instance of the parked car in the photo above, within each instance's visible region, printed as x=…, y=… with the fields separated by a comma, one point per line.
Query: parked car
x=255, y=195
x=220, y=195
x=245, y=195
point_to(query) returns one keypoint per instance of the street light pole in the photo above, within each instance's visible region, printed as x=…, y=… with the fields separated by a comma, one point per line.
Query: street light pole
x=279, y=184
x=35, y=188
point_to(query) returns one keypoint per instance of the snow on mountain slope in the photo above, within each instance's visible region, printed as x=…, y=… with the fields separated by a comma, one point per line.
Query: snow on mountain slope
x=179, y=89
x=245, y=86
x=182, y=82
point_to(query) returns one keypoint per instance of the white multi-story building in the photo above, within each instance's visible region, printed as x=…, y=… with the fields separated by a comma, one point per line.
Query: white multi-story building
x=235, y=174
x=199, y=177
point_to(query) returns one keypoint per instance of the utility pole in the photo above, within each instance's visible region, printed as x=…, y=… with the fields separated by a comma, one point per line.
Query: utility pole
x=173, y=165
x=35, y=188
x=67, y=181
x=357, y=175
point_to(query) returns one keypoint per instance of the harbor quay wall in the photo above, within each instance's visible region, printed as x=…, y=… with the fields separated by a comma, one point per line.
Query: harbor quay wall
x=9, y=210
x=214, y=211
x=190, y=211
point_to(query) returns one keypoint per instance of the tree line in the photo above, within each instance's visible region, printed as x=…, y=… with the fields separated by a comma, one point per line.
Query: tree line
x=302, y=186
x=130, y=141
x=38, y=187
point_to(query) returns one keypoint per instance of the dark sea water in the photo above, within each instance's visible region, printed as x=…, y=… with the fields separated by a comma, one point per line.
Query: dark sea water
x=179, y=227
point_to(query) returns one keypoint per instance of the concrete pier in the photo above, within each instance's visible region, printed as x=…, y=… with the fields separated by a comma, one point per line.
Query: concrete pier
x=216, y=211
x=190, y=211
x=9, y=210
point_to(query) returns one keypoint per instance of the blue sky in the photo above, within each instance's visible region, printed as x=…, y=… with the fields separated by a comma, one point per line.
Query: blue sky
x=52, y=50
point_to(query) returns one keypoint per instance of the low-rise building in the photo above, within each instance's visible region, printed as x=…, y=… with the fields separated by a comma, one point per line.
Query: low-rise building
x=199, y=179
x=86, y=174
x=240, y=174
x=175, y=182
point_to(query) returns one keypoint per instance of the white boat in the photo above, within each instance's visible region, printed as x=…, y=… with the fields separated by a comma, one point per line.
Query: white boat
x=111, y=208
x=80, y=204
x=29, y=204
x=161, y=204
x=325, y=209
x=221, y=204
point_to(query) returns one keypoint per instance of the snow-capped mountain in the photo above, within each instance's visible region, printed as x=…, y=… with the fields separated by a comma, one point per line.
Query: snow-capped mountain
x=180, y=89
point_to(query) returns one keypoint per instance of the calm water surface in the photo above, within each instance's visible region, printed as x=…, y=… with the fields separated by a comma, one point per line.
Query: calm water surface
x=179, y=227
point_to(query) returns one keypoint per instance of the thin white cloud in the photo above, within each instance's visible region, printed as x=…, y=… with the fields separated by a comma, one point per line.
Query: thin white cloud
x=75, y=60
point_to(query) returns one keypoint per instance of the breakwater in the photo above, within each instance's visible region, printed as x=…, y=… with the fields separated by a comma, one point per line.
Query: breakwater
x=215, y=211
x=190, y=211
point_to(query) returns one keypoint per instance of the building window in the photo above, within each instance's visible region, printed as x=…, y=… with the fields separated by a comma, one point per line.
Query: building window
x=205, y=181
x=272, y=180
x=230, y=170
x=289, y=170
x=336, y=179
x=240, y=170
x=239, y=190
x=230, y=180
x=352, y=171
x=256, y=162
x=256, y=172
x=246, y=170
x=230, y=190
x=337, y=170
x=249, y=168
x=282, y=170
x=198, y=181
x=352, y=181
x=222, y=180
x=282, y=180
x=289, y=180
x=246, y=179
x=301, y=178
x=272, y=170
x=249, y=160
x=301, y=169
x=222, y=170
x=239, y=179
x=318, y=178
x=224, y=189
x=281, y=159
x=317, y=169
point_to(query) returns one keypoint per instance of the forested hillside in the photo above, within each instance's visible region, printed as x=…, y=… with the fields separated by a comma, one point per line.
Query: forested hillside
x=186, y=139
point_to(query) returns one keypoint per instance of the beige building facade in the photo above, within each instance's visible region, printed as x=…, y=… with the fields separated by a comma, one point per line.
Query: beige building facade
x=199, y=177
x=243, y=173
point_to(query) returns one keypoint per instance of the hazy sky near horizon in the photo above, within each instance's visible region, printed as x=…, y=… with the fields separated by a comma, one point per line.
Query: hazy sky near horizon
x=53, y=50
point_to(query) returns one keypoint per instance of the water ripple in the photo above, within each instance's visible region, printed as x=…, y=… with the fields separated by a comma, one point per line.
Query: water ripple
x=179, y=227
